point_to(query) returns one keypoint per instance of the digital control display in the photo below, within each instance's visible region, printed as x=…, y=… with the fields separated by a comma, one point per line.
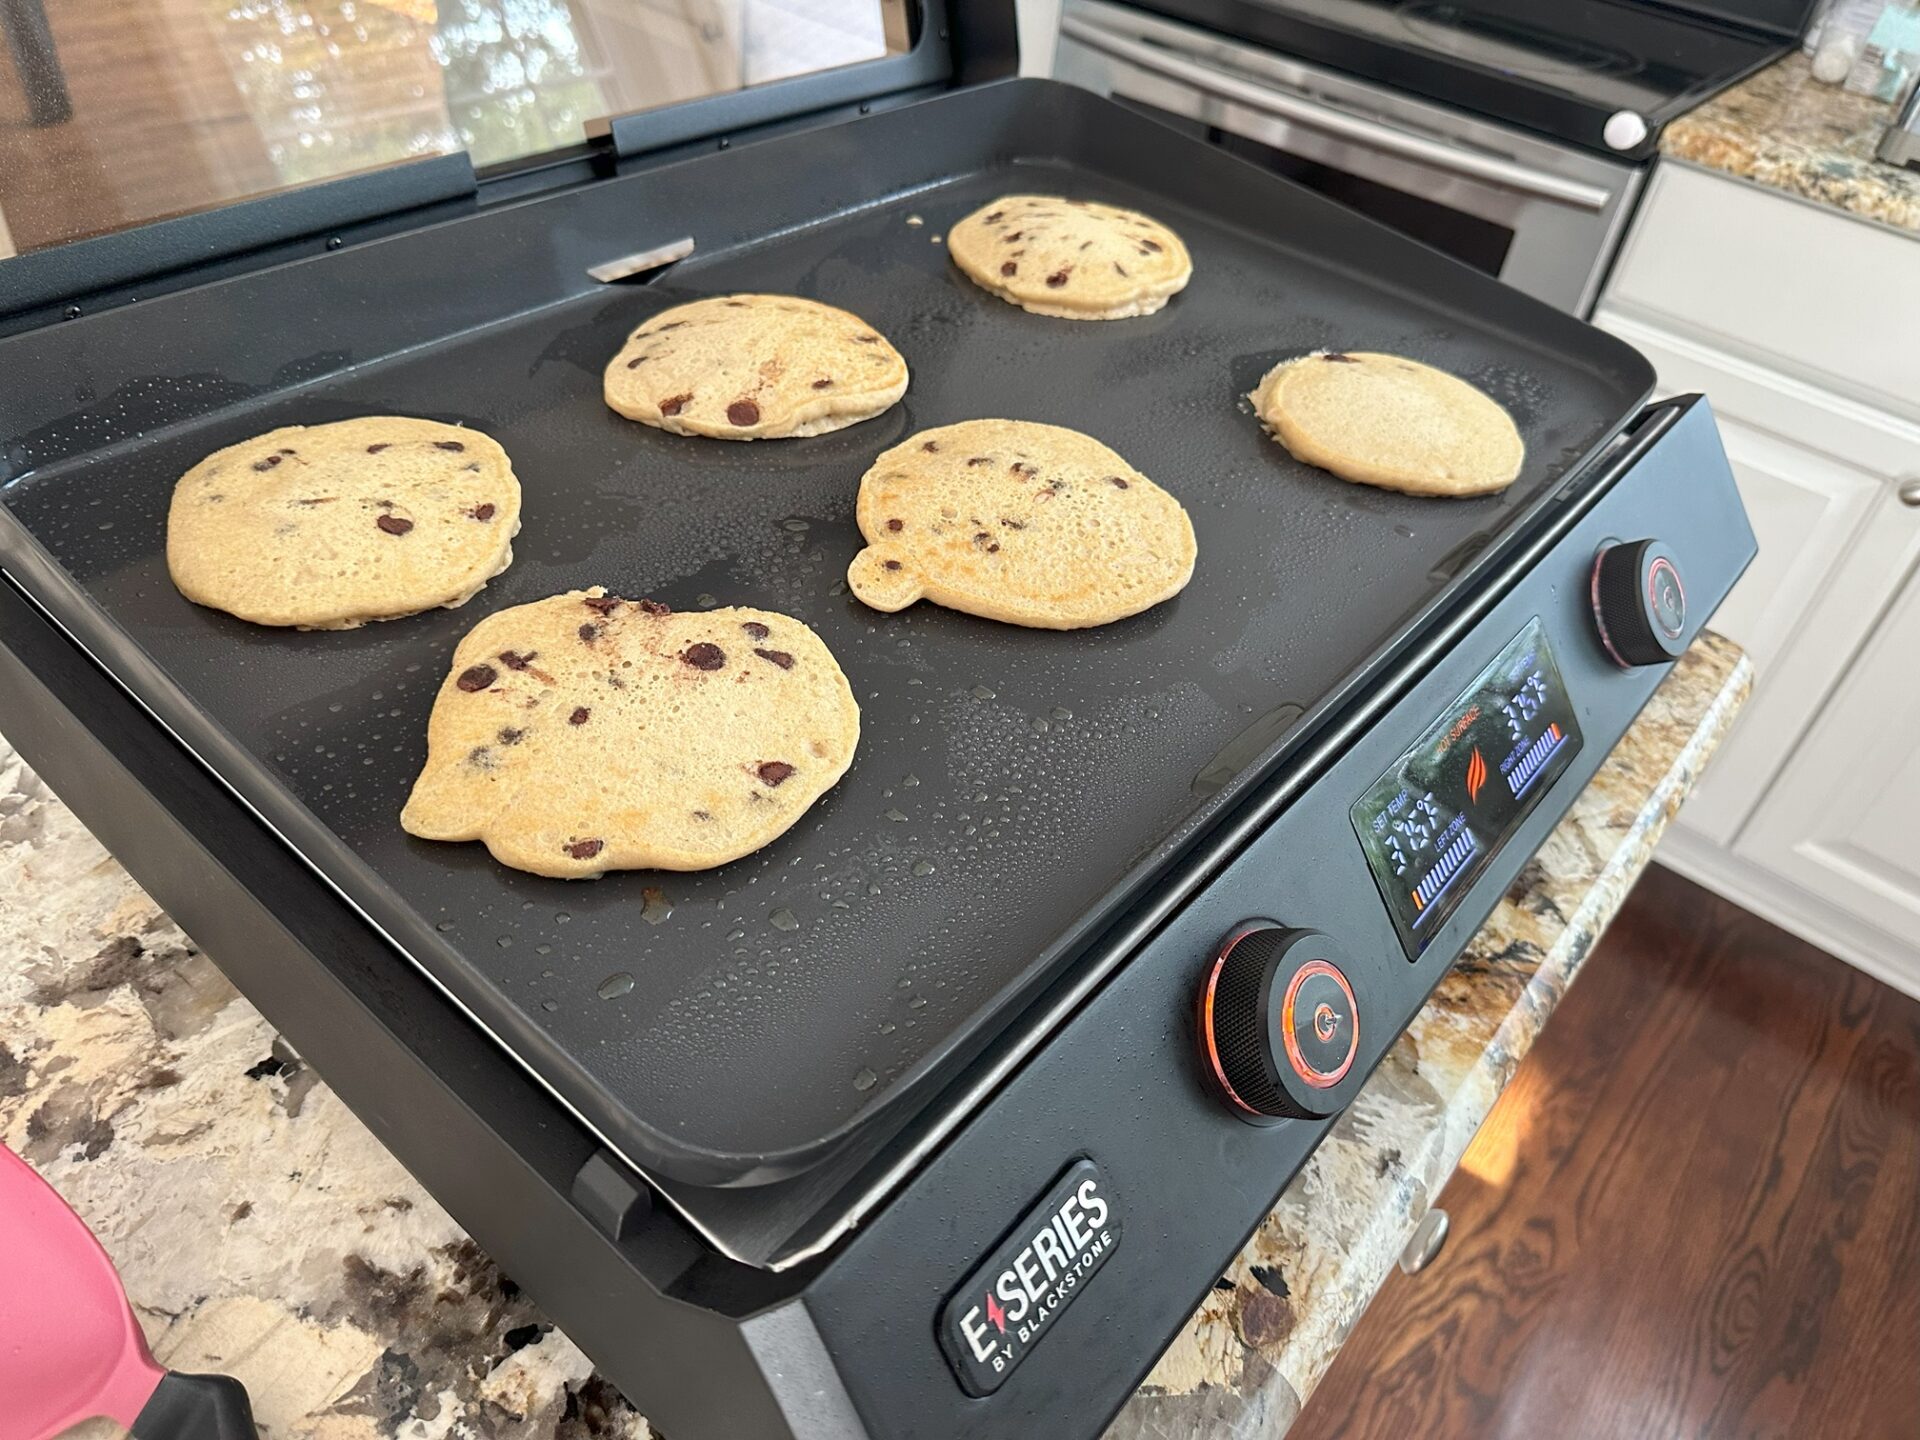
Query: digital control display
x=1433, y=822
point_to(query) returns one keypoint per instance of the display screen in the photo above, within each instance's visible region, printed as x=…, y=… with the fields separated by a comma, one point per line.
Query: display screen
x=1432, y=823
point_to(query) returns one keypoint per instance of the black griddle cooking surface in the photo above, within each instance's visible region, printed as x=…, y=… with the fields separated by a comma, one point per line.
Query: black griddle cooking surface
x=1012, y=788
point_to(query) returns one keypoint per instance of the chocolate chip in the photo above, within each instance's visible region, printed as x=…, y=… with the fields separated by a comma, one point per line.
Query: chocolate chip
x=735, y=304
x=822, y=383
x=1021, y=467
x=477, y=677
x=743, y=412
x=579, y=715
x=653, y=607
x=1120, y=269
x=1336, y=358
x=776, y=657
x=376, y=449
x=510, y=736
x=586, y=849
x=1010, y=237
x=1084, y=244
x=1009, y=267
x=896, y=525
x=1153, y=245
x=705, y=656
x=448, y=445
x=866, y=339
x=930, y=446
x=773, y=772
x=670, y=325
x=755, y=629
x=517, y=662
x=393, y=524
x=893, y=564
x=601, y=604
x=1059, y=277
x=995, y=216
x=982, y=539
x=636, y=362
x=980, y=460
x=482, y=511
x=589, y=632
x=1012, y=524
x=266, y=462
x=674, y=404
x=1116, y=482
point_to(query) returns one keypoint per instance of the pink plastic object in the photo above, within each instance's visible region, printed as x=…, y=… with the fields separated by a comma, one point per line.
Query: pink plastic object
x=70, y=1348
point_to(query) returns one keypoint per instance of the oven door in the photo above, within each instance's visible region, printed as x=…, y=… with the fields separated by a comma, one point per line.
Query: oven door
x=1542, y=217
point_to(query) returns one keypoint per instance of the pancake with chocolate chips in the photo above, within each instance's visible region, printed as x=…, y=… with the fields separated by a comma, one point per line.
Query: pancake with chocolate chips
x=1070, y=258
x=586, y=733
x=754, y=367
x=1390, y=422
x=326, y=527
x=1031, y=524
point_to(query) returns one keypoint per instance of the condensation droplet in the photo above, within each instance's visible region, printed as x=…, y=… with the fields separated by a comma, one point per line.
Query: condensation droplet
x=614, y=986
x=784, y=919
x=864, y=1079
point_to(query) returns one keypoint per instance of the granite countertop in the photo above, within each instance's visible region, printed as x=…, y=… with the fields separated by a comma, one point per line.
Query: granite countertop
x=1783, y=129
x=262, y=1231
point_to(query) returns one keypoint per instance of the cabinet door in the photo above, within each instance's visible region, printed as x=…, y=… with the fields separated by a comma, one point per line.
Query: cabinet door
x=1812, y=469
x=1843, y=821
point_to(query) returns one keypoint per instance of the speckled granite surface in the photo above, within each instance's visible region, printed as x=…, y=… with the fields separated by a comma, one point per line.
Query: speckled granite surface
x=1782, y=129
x=262, y=1231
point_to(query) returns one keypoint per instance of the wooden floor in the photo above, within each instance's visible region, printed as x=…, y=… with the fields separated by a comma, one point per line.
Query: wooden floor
x=1696, y=1211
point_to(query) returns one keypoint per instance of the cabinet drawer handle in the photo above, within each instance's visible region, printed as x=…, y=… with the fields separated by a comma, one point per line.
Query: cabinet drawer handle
x=1909, y=491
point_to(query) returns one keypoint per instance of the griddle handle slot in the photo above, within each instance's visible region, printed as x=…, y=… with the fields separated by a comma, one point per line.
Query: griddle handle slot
x=611, y=1196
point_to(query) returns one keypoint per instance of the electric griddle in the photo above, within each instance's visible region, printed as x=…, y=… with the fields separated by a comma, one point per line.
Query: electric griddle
x=1101, y=928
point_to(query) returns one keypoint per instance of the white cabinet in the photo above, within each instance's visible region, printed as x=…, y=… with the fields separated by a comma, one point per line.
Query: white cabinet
x=1802, y=327
x=1843, y=822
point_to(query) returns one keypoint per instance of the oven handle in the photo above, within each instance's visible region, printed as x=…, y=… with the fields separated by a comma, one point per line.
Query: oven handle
x=1301, y=111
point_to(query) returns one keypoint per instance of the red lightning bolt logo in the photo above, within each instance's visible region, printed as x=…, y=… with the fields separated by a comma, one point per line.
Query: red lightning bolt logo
x=996, y=1314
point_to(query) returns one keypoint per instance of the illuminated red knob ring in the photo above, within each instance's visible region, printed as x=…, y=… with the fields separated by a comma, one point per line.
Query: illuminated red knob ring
x=1639, y=603
x=1252, y=1012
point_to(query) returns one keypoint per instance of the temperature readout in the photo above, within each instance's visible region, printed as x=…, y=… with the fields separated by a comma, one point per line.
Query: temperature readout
x=1432, y=823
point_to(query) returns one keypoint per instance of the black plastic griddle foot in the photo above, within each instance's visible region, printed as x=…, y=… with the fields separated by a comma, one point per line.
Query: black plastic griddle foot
x=196, y=1407
x=611, y=1196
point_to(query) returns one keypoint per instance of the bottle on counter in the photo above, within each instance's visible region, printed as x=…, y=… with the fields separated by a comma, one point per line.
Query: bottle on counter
x=1843, y=29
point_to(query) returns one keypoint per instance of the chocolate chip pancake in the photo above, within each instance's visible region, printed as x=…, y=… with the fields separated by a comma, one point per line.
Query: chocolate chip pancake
x=1072, y=259
x=1031, y=524
x=585, y=733
x=326, y=527
x=1387, y=421
x=754, y=367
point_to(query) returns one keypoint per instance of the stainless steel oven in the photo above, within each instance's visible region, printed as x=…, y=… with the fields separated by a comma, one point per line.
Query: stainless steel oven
x=1543, y=217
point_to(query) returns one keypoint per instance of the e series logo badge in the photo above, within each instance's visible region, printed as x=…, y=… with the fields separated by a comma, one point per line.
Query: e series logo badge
x=1013, y=1297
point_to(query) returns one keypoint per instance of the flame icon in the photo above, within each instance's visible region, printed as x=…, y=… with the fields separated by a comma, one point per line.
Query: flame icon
x=1476, y=775
x=996, y=1314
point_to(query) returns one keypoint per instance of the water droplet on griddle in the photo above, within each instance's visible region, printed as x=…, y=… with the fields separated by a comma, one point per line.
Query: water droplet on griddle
x=923, y=867
x=895, y=815
x=1060, y=712
x=981, y=692
x=657, y=907
x=549, y=1005
x=706, y=601
x=910, y=780
x=864, y=1079
x=784, y=919
x=614, y=986
x=918, y=1002
x=796, y=526
x=1040, y=725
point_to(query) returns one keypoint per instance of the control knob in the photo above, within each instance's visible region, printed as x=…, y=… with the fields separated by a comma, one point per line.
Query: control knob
x=1639, y=603
x=1279, y=1025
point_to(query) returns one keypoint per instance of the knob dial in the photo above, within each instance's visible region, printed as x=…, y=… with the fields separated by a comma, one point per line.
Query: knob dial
x=1639, y=603
x=1279, y=1025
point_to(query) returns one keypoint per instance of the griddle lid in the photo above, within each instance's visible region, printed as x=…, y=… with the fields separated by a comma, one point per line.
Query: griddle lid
x=251, y=135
